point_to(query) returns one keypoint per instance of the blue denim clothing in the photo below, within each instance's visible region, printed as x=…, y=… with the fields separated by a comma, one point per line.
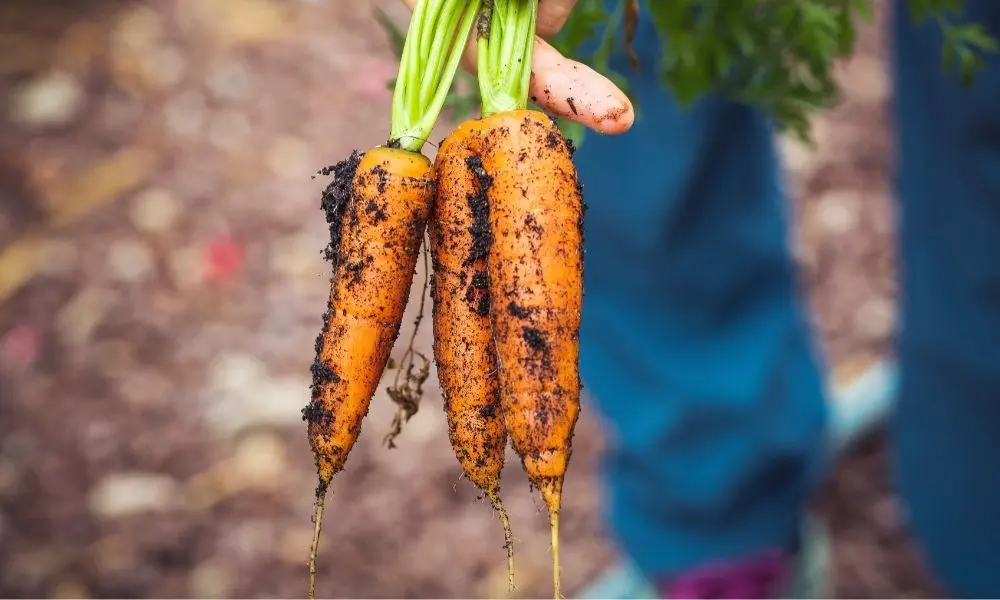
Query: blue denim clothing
x=946, y=430
x=694, y=344
x=697, y=353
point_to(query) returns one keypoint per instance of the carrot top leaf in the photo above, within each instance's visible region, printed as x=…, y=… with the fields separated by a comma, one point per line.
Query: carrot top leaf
x=506, y=45
x=429, y=61
x=777, y=56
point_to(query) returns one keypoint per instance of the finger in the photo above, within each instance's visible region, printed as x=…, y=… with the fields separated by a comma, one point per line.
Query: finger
x=552, y=15
x=576, y=92
x=572, y=90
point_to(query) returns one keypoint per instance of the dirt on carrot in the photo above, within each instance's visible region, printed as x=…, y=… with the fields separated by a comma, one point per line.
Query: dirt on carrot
x=536, y=281
x=463, y=338
x=373, y=255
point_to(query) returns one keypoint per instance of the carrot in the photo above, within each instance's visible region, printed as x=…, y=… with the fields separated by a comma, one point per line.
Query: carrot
x=463, y=336
x=536, y=266
x=535, y=260
x=377, y=206
x=376, y=230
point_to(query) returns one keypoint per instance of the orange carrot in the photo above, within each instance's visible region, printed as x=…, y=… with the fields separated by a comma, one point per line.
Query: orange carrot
x=536, y=285
x=377, y=207
x=463, y=338
x=535, y=260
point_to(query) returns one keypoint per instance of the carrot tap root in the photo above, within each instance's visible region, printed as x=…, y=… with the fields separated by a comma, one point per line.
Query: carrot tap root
x=321, y=491
x=556, y=566
x=508, y=536
x=535, y=261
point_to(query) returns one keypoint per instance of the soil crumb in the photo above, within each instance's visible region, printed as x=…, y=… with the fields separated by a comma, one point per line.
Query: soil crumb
x=535, y=339
x=336, y=197
x=479, y=204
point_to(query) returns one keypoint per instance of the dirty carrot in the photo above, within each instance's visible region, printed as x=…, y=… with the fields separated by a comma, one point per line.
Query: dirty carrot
x=377, y=207
x=535, y=259
x=463, y=336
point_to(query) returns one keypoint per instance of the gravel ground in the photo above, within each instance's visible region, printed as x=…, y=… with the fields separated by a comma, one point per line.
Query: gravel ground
x=161, y=285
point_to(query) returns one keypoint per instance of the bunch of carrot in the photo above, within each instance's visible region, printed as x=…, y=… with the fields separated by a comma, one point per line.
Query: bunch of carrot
x=503, y=208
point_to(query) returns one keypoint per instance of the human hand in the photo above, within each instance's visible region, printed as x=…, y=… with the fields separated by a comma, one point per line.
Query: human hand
x=565, y=87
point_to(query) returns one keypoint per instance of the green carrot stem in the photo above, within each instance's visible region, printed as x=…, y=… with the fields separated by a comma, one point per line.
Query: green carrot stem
x=505, y=56
x=431, y=56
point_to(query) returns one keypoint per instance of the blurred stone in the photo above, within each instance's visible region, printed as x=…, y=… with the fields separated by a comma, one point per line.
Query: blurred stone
x=162, y=67
x=235, y=371
x=30, y=568
x=145, y=386
x=122, y=111
x=114, y=357
x=155, y=210
x=864, y=78
x=229, y=130
x=50, y=100
x=259, y=460
x=875, y=319
x=838, y=210
x=184, y=114
x=426, y=426
x=18, y=264
x=70, y=589
x=239, y=21
x=796, y=156
x=125, y=494
x=113, y=553
x=241, y=395
x=81, y=43
x=290, y=157
x=230, y=80
x=137, y=30
x=187, y=267
x=250, y=540
x=295, y=256
x=211, y=580
x=58, y=258
x=82, y=314
x=129, y=260
x=98, y=440
x=293, y=546
x=136, y=26
x=97, y=185
x=845, y=371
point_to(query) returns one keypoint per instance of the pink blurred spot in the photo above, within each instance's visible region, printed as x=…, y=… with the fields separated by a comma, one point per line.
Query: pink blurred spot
x=371, y=78
x=223, y=257
x=21, y=345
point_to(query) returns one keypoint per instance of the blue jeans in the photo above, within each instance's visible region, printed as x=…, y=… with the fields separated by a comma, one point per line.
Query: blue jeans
x=696, y=350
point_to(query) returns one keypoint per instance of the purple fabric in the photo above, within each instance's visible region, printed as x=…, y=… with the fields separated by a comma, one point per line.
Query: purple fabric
x=762, y=576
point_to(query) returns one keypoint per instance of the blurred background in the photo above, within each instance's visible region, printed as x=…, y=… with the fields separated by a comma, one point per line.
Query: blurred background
x=161, y=285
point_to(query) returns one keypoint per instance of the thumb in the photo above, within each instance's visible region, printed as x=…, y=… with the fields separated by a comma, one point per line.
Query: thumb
x=572, y=90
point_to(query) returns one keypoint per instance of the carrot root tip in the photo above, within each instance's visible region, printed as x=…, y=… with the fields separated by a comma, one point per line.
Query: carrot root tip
x=321, y=490
x=508, y=537
x=556, y=568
